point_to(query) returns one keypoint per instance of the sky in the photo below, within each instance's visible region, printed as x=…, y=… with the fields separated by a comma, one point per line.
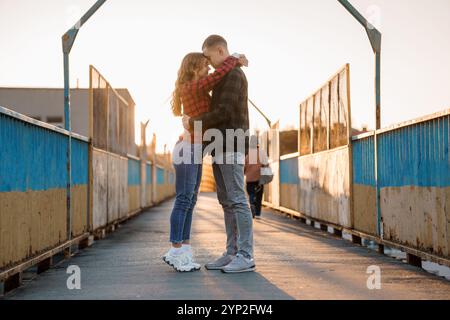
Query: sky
x=293, y=46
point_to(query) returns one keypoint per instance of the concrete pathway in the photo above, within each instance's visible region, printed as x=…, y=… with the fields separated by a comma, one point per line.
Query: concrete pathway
x=294, y=261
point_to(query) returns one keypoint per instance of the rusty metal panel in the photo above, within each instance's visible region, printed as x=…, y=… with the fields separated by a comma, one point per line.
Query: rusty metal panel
x=149, y=184
x=325, y=186
x=100, y=188
x=289, y=183
x=133, y=184
x=79, y=171
x=113, y=187
x=33, y=179
x=414, y=178
x=124, y=208
x=364, y=190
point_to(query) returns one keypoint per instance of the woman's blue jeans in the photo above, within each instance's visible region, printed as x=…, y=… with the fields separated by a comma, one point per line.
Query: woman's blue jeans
x=187, y=184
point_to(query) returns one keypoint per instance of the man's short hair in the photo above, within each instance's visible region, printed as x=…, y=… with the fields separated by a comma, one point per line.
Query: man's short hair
x=214, y=40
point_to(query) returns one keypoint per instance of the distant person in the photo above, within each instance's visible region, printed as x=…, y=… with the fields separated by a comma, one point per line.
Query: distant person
x=252, y=171
x=192, y=98
x=229, y=112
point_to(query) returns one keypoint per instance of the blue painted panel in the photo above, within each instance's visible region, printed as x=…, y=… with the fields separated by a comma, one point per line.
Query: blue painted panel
x=289, y=171
x=80, y=162
x=134, y=176
x=416, y=155
x=148, y=174
x=364, y=161
x=31, y=157
x=159, y=176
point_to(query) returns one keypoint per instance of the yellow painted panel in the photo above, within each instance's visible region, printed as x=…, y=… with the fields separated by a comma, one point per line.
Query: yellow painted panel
x=31, y=222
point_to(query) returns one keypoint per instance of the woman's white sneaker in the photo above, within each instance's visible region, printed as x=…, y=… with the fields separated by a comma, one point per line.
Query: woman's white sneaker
x=181, y=261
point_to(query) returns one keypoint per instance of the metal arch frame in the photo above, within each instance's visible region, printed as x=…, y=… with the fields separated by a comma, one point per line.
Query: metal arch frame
x=375, y=41
x=68, y=40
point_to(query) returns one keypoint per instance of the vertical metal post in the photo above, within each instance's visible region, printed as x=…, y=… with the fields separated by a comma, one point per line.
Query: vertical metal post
x=375, y=41
x=375, y=137
x=378, y=88
x=68, y=127
x=68, y=40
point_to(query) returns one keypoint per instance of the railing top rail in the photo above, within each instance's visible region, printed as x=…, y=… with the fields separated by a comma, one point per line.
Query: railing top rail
x=404, y=124
x=133, y=157
x=24, y=118
x=415, y=121
x=363, y=135
x=290, y=156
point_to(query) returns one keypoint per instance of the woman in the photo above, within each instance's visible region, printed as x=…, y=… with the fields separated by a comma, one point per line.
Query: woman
x=254, y=161
x=192, y=98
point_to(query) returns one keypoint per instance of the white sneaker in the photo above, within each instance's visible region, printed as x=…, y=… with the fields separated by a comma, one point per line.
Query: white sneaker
x=181, y=262
x=196, y=265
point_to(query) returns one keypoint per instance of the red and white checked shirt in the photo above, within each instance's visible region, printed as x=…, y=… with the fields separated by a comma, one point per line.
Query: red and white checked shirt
x=195, y=95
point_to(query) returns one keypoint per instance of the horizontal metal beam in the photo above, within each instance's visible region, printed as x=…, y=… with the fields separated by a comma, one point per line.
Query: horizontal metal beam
x=70, y=36
x=373, y=34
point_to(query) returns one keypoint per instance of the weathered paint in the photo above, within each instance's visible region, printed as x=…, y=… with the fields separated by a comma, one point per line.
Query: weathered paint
x=148, y=185
x=148, y=174
x=110, y=184
x=123, y=188
x=79, y=202
x=364, y=162
x=414, y=170
x=134, y=176
x=79, y=193
x=143, y=184
x=32, y=158
x=325, y=186
x=133, y=198
x=417, y=217
x=33, y=179
x=134, y=184
x=160, y=176
x=289, y=195
x=289, y=171
x=364, y=209
x=113, y=187
x=31, y=222
x=289, y=183
x=417, y=155
x=364, y=192
x=100, y=189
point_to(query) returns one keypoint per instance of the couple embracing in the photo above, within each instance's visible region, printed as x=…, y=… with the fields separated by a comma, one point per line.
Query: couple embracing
x=223, y=111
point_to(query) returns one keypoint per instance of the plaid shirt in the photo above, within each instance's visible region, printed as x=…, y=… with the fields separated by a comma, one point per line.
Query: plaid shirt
x=195, y=95
x=229, y=108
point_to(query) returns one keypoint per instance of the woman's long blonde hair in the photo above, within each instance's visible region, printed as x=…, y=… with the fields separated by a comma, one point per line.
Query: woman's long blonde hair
x=191, y=64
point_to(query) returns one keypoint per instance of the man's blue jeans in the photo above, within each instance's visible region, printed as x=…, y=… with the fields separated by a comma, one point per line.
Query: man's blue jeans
x=229, y=176
x=188, y=177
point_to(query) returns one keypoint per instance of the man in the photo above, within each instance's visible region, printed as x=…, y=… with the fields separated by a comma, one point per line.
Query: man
x=229, y=110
